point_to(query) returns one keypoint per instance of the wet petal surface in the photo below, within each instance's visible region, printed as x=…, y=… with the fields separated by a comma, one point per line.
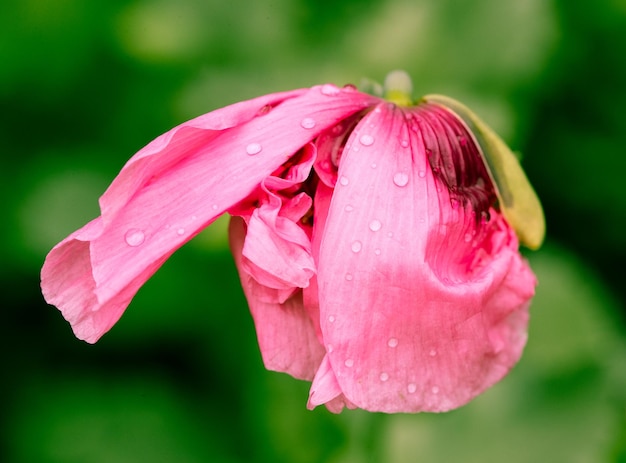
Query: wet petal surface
x=406, y=336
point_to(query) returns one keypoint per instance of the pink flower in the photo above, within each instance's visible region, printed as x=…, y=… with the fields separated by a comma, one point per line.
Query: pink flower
x=376, y=240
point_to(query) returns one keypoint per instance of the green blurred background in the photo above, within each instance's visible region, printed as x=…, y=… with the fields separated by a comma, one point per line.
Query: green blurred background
x=85, y=84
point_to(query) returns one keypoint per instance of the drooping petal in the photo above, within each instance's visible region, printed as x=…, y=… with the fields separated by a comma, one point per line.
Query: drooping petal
x=406, y=335
x=325, y=388
x=173, y=188
x=285, y=332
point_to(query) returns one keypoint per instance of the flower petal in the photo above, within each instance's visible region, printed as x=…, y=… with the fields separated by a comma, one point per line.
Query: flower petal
x=405, y=338
x=277, y=249
x=326, y=390
x=285, y=332
x=173, y=188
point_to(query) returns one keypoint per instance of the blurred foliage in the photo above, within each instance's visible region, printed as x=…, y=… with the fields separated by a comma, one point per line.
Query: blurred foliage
x=83, y=85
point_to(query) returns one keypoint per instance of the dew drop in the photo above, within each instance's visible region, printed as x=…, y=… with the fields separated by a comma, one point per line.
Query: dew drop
x=422, y=174
x=356, y=246
x=349, y=277
x=349, y=88
x=375, y=225
x=253, y=148
x=134, y=237
x=329, y=90
x=377, y=251
x=384, y=377
x=180, y=231
x=435, y=390
x=404, y=144
x=349, y=363
x=393, y=342
x=330, y=348
x=348, y=208
x=366, y=140
x=331, y=319
x=214, y=207
x=467, y=237
x=401, y=179
x=374, y=165
x=193, y=217
x=432, y=352
x=307, y=123
x=344, y=180
x=411, y=387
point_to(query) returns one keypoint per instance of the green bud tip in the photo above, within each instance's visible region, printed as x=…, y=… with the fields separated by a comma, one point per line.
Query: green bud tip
x=398, y=88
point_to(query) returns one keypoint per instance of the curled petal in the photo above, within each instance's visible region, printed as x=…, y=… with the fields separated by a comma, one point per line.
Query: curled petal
x=172, y=189
x=277, y=252
x=277, y=249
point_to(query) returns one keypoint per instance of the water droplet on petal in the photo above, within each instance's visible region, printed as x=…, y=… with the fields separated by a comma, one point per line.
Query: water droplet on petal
x=253, y=148
x=134, y=237
x=401, y=179
x=344, y=180
x=349, y=363
x=404, y=143
x=375, y=225
x=349, y=277
x=393, y=342
x=329, y=90
x=331, y=319
x=377, y=251
x=330, y=348
x=307, y=123
x=366, y=140
x=348, y=208
x=356, y=246
x=193, y=217
x=467, y=237
x=180, y=231
x=435, y=390
x=432, y=352
x=349, y=88
x=374, y=165
x=214, y=207
x=411, y=387
x=422, y=174
x=384, y=377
